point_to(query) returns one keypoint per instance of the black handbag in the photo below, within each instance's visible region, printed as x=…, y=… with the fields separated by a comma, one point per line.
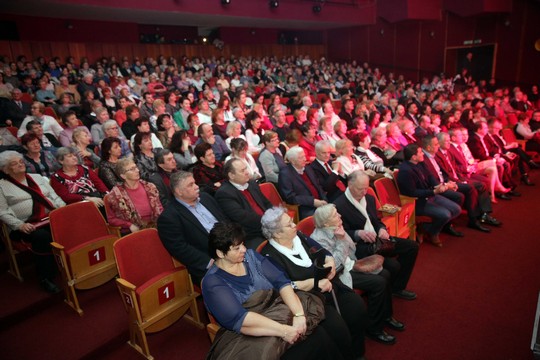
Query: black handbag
x=383, y=247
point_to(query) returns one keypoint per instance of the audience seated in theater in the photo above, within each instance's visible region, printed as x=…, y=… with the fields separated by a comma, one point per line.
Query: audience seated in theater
x=132, y=204
x=523, y=131
x=144, y=154
x=512, y=153
x=242, y=200
x=180, y=146
x=299, y=185
x=143, y=126
x=161, y=179
x=87, y=85
x=37, y=160
x=424, y=128
x=14, y=111
x=208, y=172
x=326, y=130
x=48, y=123
x=146, y=109
x=453, y=172
x=209, y=116
x=462, y=193
x=165, y=129
x=375, y=282
x=64, y=87
x=340, y=129
x=270, y=157
x=206, y=135
x=111, y=151
x=44, y=95
x=263, y=327
x=25, y=201
x=102, y=115
x=48, y=141
x=413, y=113
x=71, y=122
x=254, y=132
x=347, y=112
x=181, y=117
x=185, y=223
x=309, y=139
x=74, y=182
x=329, y=174
x=407, y=130
x=482, y=154
x=217, y=122
x=111, y=129
x=239, y=148
x=81, y=142
x=414, y=181
x=234, y=131
x=128, y=127
x=159, y=109
x=379, y=147
x=348, y=326
x=280, y=125
x=371, y=161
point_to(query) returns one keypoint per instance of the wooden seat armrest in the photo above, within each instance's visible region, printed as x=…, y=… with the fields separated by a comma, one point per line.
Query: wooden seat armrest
x=126, y=284
x=406, y=199
x=114, y=230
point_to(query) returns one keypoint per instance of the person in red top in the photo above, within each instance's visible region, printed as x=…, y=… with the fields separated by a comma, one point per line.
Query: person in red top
x=134, y=204
x=74, y=182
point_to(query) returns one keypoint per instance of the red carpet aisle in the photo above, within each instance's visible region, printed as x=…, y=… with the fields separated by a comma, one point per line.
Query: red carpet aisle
x=477, y=295
x=476, y=300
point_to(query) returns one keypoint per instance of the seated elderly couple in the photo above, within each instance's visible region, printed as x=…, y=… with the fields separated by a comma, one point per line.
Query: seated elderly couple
x=236, y=280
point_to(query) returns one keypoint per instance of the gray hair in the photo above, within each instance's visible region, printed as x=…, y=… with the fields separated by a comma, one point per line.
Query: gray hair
x=321, y=144
x=322, y=214
x=63, y=151
x=7, y=156
x=178, y=178
x=122, y=164
x=100, y=110
x=356, y=175
x=108, y=124
x=292, y=153
x=76, y=133
x=271, y=221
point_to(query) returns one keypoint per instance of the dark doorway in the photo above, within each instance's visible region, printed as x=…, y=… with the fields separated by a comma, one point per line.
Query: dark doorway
x=481, y=66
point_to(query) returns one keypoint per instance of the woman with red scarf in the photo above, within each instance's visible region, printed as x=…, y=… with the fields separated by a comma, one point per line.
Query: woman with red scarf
x=25, y=203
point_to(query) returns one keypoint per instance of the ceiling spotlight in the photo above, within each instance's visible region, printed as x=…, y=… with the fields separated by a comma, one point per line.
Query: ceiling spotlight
x=225, y=2
x=317, y=9
x=274, y=4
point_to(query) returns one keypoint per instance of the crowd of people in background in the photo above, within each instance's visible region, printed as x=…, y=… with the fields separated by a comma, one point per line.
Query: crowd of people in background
x=184, y=144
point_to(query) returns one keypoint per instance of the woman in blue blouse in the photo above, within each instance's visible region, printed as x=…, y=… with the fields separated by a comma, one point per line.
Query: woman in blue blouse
x=229, y=287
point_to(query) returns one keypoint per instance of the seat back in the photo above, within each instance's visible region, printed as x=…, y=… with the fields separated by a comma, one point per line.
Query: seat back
x=387, y=191
x=508, y=135
x=371, y=192
x=69, y=231
x=270, y=192
x=261, y=246
x=306, y=225
x=141, y=256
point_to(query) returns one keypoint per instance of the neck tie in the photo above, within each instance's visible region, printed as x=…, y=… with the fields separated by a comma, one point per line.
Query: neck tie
x=339, y=184
x=484, y=145
x=449, y=163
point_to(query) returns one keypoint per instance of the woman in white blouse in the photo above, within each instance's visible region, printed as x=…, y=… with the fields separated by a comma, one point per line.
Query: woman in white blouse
x=239, y=150
x=254, y=132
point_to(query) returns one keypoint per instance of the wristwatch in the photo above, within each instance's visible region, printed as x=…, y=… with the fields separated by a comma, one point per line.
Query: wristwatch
x=294, y=286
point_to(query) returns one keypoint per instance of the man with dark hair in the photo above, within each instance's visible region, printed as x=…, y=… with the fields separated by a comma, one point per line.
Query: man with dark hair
x=129, y=128
x=166, y=167
x=414, y=182
x=243, y=201
x=468, y=195
x=147, y=109
x=347, y=112
x=206, y=135
x=185, y=223
x=48, y=141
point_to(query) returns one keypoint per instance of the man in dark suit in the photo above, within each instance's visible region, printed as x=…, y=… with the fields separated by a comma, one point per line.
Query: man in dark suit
x=414, y=182
x=184, y=225
x=298, y=184
x=468, y=198
x=412, y=112
x=359, y=215
x=447, y=163
x=481, y=152
x=14, y=111
x=242, y=200
x=329, y=179
x=498, y=145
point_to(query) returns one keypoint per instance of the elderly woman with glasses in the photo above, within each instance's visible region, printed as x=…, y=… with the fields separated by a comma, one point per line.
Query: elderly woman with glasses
x=366, y=274
x=74, y=182
x=260, y=313
x=133, y=204
x=25, y=202
x=312, y=268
